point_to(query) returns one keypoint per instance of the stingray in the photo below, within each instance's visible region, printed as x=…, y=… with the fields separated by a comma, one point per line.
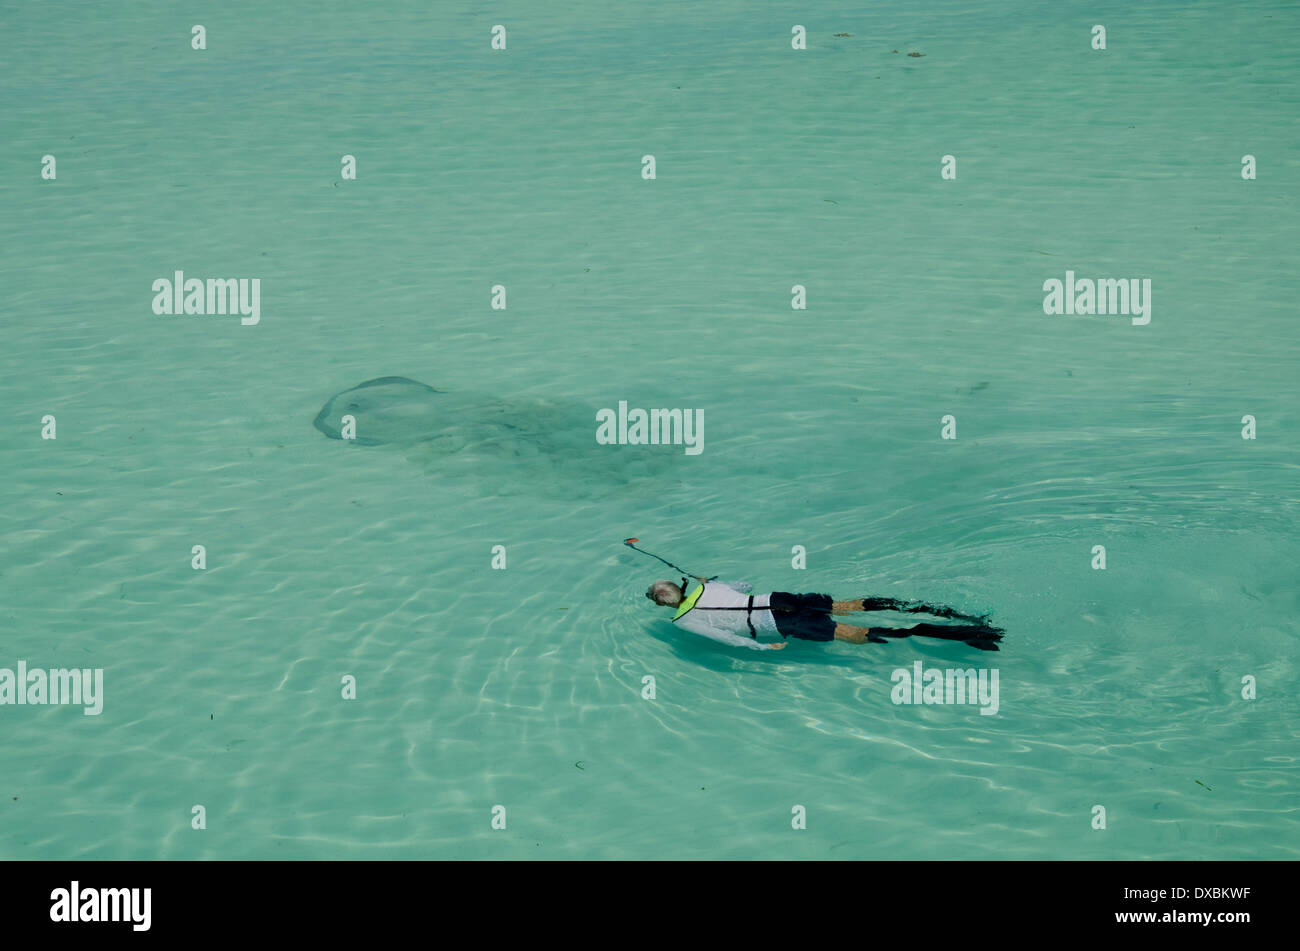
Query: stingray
x=388, y=410
x=502, y=446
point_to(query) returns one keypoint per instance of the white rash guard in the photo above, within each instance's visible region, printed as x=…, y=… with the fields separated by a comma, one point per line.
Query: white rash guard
x=729, y=627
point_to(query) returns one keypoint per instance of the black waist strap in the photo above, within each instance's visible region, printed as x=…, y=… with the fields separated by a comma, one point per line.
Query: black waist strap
x=761, y=607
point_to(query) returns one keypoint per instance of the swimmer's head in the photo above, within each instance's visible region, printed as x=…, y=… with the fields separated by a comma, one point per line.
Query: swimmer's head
x=665, y=593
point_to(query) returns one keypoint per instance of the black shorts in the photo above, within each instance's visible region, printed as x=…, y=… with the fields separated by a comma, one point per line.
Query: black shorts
x=806, y=616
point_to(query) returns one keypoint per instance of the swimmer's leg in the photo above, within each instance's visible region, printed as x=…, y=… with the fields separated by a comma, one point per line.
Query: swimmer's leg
x=859, y=635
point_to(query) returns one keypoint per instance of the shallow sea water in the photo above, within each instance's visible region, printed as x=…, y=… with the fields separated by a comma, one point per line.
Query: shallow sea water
x=523, y=687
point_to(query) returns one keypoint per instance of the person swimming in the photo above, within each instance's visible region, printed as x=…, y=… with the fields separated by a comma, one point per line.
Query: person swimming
x=729, y=612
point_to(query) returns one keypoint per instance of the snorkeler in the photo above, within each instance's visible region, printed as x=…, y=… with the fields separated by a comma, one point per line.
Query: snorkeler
x=729, y=613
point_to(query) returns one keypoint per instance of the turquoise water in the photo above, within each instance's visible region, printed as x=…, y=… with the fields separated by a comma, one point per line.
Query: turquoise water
x=523, y=687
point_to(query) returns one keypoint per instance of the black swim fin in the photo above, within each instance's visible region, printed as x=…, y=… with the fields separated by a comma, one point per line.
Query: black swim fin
x=920, y=607
x=979, y=636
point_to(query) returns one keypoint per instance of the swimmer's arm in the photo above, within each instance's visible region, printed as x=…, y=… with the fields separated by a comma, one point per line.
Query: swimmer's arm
x=707, y=580
x=690, y=622
x=737, y=640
